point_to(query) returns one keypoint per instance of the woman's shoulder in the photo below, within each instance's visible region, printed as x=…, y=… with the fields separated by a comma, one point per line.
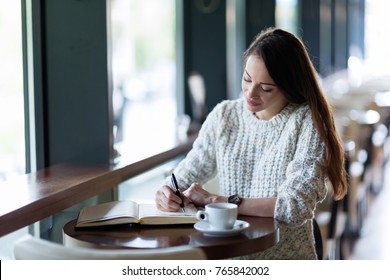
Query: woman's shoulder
x=301, y=109
x=234, y=104
x=303, y=119
x=301, y=112
x=228, y=107
x=222, y=113
x=299, y=116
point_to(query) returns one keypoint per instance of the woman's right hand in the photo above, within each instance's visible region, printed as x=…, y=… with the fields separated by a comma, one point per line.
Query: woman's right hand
x=167, y=200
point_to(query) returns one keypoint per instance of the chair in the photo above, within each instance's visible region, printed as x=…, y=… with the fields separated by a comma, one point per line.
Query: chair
x=32, y=248
x=197, y=88
x=318, y=240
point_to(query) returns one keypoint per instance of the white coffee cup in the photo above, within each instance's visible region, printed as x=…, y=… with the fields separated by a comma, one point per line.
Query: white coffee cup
x=220, y=216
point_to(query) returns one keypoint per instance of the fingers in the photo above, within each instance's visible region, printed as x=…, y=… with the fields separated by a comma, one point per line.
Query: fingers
x=195, y=189
x=196, y=194
x=186, y=200
x=166, y=200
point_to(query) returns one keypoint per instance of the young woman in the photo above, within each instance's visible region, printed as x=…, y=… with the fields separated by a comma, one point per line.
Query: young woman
x=273, y=150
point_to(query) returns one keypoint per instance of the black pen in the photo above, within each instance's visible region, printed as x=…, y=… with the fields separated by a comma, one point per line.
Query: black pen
x=177, y=191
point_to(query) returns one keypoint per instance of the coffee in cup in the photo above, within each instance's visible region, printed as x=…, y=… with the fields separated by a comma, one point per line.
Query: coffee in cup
x=220, y=216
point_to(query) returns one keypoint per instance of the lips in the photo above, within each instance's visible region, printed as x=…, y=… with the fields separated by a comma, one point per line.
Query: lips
x=252, y=103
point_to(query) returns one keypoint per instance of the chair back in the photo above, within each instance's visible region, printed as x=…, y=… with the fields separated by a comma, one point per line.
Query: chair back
x=318, y=240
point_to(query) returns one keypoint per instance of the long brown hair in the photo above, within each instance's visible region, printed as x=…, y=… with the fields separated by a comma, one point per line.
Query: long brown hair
x=289, y=65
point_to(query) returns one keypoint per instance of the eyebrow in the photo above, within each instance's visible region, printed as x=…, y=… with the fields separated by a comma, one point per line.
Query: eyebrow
x=261, y=83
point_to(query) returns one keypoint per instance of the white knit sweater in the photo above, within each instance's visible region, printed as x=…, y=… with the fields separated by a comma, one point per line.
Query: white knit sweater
x=282, y=157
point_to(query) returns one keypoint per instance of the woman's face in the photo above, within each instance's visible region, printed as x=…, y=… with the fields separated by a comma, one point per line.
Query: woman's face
x=262, y=95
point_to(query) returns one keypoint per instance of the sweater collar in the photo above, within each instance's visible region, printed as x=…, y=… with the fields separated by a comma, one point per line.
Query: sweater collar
x=275, y=121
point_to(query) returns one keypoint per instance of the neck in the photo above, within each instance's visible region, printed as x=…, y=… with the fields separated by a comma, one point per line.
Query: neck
x=261, y=117
x=266, y=115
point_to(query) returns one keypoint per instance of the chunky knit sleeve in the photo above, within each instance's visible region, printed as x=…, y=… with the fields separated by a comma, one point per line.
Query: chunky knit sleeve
x=305, y=185
x=200, y=163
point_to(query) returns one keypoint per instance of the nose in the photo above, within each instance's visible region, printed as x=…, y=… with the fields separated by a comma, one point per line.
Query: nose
x=252, y=93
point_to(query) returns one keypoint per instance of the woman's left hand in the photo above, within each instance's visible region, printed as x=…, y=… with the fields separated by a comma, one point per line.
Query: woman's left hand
x=200, y=197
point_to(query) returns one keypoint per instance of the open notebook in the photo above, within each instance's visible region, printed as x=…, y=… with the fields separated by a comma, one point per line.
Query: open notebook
x=127, y=211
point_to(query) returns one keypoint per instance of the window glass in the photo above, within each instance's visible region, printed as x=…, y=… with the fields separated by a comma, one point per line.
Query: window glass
x=377, y=22
x=12, y=141
x=286, y=15
x=144, y=76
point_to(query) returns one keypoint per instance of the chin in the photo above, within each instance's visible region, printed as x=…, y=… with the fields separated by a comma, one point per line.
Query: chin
x=253, y=109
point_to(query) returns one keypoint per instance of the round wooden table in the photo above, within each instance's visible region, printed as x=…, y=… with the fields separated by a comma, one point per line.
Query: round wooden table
x=262, y=234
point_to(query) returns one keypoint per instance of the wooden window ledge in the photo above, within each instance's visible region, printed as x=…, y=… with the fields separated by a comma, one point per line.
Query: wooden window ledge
x=29, y=198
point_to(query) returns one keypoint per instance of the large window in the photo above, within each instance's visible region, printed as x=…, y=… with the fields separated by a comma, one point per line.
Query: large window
x=286, y=15
x=377, y=40
x=12, y=140
x=12, y=156
x=144, y=76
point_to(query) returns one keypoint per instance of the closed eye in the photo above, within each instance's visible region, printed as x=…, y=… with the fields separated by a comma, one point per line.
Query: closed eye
x=266, y=89
x=246, y=79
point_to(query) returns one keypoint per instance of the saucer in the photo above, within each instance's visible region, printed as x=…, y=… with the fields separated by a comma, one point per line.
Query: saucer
x=205, y=228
